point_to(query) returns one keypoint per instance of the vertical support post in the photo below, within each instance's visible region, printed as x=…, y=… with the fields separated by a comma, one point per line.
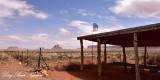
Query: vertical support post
x=92, y=52
x=39, y=59
x=22, y=56
x=135, y=42
x=124, y=59
x=99, y=56
x=145, y=54
x=82, y=54
x=105, y=55
x=18, y=55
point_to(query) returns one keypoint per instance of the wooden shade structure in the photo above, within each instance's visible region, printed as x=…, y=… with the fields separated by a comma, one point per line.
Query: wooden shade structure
x=141, y=36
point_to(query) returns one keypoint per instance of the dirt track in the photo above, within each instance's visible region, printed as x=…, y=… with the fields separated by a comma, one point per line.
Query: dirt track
x=13, y=70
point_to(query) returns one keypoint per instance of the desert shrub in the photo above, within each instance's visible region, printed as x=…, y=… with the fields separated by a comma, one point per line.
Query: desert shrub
x=152, y=60
x=69, y=67
x=113, y=60
x=133, y=58
x=141, y=57
x=73, y=66
x=3, y=58
x=158, y=58
x=18, y=57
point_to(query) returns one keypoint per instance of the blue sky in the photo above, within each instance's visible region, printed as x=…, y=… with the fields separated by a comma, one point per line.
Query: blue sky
x=44, y=23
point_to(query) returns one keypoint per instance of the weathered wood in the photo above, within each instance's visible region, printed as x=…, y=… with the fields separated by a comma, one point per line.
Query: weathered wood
x=105, y=55
x=145, y=54
x=27, y=57
x=44, y=61
x=135, y=42
x=99, y=56
x=124, y=59
x=92, y=52
x=39, y=59
x=22, y=56
x=82, y=54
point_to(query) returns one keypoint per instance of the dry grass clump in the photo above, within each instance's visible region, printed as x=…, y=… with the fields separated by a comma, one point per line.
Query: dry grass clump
x=3, y=57
x=73, y=66
x=154, y=60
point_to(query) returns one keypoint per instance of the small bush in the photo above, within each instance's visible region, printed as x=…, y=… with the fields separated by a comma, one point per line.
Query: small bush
x=3, y=58
x=69, y=67
x=153, y=60
x=72, y=66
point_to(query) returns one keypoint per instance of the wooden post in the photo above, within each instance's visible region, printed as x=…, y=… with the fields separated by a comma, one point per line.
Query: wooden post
x=44, y=60
x=92, y=52
x=135, y=42
x=99, y=56
x=124, y=59
x=22, y=56
x=105, y=55
x=27, y=58
x=145, y=54
x=82, y=54
x=39, y=59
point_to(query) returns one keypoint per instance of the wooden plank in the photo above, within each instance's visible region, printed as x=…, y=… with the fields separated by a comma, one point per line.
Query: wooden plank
x=82, y=54
x=135, y=42
x=99, y=56
x=124, y=59
x=105, y=55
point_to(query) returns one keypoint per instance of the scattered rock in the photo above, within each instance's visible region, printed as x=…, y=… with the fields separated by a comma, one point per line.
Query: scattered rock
x=44, y=73
x=20, y=63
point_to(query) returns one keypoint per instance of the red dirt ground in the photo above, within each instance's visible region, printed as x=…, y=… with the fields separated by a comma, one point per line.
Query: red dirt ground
x=113, y=73
x=12, y=70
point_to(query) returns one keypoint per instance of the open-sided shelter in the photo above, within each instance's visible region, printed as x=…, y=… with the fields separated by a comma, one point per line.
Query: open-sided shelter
x=141, y=36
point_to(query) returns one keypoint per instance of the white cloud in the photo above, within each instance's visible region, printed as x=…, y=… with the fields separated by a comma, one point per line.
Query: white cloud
x=32, y=41
x=39, y=40
x=85, y=13
x=14, y=37
x=83, y=26
x=13, y=9
x=40, y=37
x=86, y=27
x=111, y=18
x=64, y=31
x=138, y=8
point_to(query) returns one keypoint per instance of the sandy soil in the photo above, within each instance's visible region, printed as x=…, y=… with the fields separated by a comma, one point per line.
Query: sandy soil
x=13, y=70
x=115, y=73
x=12, y=67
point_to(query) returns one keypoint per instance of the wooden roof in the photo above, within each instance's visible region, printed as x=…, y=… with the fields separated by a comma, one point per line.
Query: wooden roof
x=148, y=35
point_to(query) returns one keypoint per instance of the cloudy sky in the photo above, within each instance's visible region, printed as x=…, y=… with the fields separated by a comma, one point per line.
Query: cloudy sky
x=34, y=23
